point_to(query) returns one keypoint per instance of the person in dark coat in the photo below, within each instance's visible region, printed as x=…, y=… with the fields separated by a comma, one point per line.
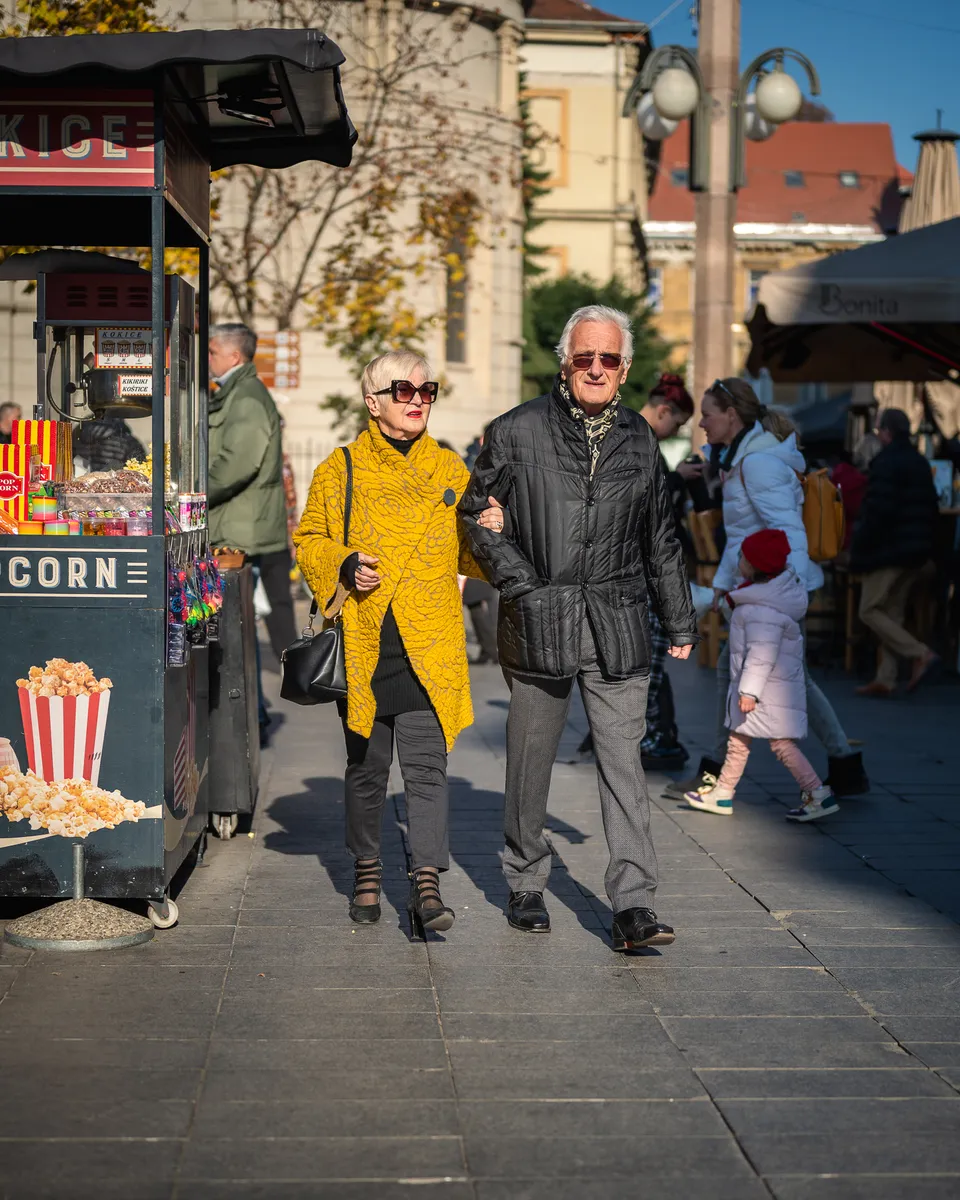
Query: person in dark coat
x=893, y=540
x=9, y=412
x=106, y=444
x=591, y=530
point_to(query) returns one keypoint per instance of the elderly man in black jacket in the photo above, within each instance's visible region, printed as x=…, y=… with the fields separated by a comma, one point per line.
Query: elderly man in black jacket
x=591, y=541
x=892, y=540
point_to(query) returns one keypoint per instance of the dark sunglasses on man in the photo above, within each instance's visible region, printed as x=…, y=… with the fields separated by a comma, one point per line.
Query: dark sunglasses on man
x=403, y=391
x=609, y=362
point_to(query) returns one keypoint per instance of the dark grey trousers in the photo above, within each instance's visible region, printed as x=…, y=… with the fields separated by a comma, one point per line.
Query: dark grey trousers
x=422, y=752
x=616, y=711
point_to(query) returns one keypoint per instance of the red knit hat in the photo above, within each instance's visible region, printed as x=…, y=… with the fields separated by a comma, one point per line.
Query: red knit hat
x=766, y=551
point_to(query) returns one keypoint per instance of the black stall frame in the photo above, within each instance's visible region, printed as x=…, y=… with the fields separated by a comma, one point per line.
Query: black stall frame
x=209, y=92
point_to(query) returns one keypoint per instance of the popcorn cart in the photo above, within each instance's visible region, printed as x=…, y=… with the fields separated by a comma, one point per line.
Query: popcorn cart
x=109, y=594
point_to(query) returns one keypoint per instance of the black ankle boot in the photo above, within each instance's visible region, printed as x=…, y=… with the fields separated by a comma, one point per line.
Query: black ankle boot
x=366, y=882
x=846, y=776
x=426, y=907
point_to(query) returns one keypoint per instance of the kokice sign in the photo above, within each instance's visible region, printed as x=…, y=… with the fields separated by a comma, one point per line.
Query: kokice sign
x=57, y=138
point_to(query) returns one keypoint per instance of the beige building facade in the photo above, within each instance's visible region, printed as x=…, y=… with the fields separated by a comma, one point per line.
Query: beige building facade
x=578, y=64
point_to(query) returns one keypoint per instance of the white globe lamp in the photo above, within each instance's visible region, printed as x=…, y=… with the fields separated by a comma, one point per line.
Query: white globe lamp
x=653, y=126
x=754, y=126
x=676, y=94
x=779, y=97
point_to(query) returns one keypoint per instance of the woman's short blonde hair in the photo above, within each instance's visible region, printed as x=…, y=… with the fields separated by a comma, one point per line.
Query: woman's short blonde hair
x=395, y=364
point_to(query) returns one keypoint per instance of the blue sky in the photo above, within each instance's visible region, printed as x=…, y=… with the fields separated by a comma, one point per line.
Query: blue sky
x=878, y=60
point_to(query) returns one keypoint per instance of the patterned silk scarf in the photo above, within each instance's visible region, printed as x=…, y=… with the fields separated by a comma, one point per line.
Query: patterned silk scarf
x=595, y=427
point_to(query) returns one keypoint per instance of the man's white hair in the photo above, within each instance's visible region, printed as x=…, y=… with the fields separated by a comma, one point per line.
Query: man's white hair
x=604, y=315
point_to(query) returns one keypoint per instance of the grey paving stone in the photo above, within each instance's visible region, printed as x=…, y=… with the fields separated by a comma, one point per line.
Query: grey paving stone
x=872, y=936
x=532, y=1027
x=924, y=1029
x=903, y=958
x=39, y=1162
x=143, y=1052
x=575, y=1080
x=677, y=1002
x=333, y=1055
x=274, y=1189
x=270, y=997
x=333, y=1158
x=652, y=1156
x=336, y=1082
x=783, y=1042
x=760, y=1083
x=240, y=1022
x=865, y=1187
x=935, y=1054
x=814, y=1153
x=893, y=1117
x=310, y=1113
x=598, y=1000
x=79, y=1189
x=811, y=978
x=596, y=1118
x=648, y=1185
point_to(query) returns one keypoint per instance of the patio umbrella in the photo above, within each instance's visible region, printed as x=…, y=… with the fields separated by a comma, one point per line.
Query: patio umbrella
x=935, y=197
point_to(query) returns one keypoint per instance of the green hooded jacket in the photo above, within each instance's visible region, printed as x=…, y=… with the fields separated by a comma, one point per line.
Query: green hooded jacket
x=245, y=488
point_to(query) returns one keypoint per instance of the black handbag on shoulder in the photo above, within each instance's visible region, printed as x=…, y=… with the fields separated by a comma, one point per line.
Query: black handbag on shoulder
x=313, y=670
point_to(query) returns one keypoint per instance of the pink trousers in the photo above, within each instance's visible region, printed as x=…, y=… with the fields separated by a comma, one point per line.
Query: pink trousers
x=787, y=751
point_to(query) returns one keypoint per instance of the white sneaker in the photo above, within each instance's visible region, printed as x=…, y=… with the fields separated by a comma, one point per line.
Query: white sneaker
x=712, y=798
x=821, y=802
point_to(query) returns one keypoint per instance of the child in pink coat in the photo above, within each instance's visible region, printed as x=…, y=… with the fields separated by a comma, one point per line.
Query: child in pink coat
x=768, y=695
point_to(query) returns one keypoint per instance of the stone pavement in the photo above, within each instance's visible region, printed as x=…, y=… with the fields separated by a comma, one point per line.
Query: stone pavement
x=801, y=1039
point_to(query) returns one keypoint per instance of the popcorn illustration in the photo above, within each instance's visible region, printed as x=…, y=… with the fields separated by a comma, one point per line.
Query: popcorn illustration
x=64, y=708
x=67, y=807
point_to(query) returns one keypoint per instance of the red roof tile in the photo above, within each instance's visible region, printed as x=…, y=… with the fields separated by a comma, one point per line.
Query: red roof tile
x=569, y=10
x=820, y=151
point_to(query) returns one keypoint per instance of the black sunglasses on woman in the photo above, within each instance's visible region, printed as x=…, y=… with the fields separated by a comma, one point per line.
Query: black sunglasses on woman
x=403, y=391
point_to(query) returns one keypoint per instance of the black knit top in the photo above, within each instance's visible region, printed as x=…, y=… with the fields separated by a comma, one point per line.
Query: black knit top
x=395, y=685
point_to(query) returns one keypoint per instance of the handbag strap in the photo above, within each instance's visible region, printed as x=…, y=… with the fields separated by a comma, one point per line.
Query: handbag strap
x=347, y=512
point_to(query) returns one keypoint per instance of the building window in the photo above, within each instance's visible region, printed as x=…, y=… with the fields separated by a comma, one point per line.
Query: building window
x=850, y=179
x=655, y=289
x=794, y=179
x=457, y=279
x=680, y=177
x=753, y=288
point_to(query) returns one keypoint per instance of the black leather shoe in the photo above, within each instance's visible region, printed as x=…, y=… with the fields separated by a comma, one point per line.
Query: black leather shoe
x=635, y=928
x=527, y=911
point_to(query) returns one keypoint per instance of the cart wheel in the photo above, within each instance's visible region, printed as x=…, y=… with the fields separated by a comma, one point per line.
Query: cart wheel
x=163, y=914
x=225, y=825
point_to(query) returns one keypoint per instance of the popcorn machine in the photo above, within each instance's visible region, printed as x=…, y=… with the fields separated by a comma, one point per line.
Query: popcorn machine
x=104, y=672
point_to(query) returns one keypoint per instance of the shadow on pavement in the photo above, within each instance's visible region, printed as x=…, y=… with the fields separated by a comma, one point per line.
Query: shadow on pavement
x=312, y=823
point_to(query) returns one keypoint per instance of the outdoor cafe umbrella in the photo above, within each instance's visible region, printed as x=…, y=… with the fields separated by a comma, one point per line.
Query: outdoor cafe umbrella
x=888, y=310
x=935, y=197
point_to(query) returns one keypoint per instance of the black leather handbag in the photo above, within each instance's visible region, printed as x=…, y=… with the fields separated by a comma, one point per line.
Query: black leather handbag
x=313, y=670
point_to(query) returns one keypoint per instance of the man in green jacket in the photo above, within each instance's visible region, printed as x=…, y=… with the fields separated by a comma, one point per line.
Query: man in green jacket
x=245, y=476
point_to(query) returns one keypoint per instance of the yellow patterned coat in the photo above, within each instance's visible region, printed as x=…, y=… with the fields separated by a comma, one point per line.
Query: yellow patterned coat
x=404, y=513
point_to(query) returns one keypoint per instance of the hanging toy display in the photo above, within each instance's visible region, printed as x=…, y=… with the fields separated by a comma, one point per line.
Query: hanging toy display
x=176, y=616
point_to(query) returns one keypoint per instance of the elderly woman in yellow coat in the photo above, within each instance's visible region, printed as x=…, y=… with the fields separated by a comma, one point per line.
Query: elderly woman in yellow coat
x=405, y=647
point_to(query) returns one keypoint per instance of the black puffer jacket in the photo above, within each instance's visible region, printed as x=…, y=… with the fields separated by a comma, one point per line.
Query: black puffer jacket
x=896, y=526
x=577, y=547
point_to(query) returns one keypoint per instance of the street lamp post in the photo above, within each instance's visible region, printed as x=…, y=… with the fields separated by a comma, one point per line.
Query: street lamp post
x=723, y=112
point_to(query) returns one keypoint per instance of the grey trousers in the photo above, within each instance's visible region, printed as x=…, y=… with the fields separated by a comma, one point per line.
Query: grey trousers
x=616, y=711
x=823, y=721
x=423, y=764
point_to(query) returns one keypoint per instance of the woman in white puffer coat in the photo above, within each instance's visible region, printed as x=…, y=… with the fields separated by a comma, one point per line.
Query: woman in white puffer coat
x=767, y=697
x=760, y=465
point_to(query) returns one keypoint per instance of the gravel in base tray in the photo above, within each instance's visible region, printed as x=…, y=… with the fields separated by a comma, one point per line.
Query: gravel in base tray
x=79, y=920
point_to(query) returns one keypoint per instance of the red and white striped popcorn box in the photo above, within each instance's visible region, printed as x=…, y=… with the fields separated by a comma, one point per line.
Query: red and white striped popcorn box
x=64, y=734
